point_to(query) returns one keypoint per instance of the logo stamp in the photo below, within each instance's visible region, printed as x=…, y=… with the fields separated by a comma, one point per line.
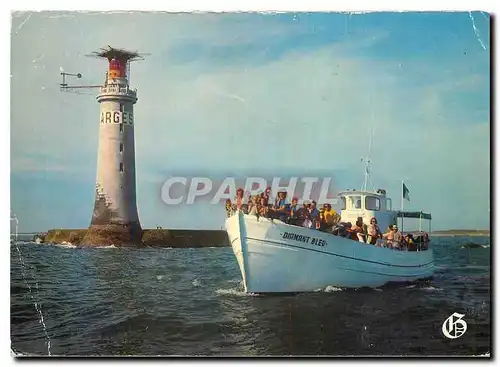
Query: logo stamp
x=454, y=327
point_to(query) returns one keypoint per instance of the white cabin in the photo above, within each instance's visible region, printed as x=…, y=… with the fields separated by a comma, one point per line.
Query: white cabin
x=367, y=204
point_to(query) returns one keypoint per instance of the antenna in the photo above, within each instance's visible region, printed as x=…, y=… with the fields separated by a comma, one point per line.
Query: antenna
x=65, y=87
x=119, y=62
x=368, y=159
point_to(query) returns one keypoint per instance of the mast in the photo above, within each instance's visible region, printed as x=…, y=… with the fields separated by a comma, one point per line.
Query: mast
x=402, y=204
x=368, y=162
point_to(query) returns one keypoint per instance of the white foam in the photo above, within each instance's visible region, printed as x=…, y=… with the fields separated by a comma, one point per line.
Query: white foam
x=65, y=245
x=234, y=292
x=23, y=242
x=159, y=277
x=331, y=288
x=431, y=288
x=196, y=283
x=106, y=247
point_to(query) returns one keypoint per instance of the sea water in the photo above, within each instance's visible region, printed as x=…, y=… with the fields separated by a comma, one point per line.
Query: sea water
x=114, y=301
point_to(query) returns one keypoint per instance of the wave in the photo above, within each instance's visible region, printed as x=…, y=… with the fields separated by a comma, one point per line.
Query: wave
x=13, y=242
x=234, y=292
x=65, y=245
x=107, y=247
x=475, y=245
x=331, y=288
x=431, y=288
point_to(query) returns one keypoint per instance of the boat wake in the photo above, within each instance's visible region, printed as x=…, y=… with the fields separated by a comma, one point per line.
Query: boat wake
x=238, y=292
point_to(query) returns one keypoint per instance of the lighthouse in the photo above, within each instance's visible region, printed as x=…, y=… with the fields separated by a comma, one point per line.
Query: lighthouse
x=115, y=219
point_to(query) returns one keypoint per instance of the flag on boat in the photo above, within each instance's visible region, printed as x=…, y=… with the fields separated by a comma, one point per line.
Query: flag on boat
x=406, y=192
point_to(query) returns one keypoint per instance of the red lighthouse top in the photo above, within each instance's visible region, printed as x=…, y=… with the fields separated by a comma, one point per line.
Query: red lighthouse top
x=118, y=60
x=117, y=68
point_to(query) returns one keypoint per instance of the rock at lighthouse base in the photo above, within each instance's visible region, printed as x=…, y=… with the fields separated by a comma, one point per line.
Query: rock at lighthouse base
x=113, y=234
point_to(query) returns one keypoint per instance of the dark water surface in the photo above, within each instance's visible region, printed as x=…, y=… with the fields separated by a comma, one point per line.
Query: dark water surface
x=110, y=301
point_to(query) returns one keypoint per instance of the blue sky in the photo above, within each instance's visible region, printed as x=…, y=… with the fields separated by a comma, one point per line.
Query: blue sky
x=218, y=90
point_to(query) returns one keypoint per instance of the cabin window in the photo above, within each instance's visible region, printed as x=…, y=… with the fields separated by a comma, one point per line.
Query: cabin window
x=342, y=199
x=121, y=167
x=372, y=203
x=355, y=202
x=121, y=147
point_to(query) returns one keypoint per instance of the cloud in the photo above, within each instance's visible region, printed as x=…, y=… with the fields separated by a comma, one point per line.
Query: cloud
x=257, y=92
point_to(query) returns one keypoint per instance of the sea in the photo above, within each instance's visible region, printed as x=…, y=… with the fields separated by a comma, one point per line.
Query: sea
x=68, y=301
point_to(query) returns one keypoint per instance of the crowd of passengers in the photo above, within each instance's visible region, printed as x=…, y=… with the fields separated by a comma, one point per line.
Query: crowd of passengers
x=325, y=219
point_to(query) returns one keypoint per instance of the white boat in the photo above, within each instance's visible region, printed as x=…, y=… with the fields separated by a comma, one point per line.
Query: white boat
x=277, y=257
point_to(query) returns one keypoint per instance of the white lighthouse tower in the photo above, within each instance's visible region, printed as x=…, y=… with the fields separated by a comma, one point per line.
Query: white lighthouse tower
x=115, y=219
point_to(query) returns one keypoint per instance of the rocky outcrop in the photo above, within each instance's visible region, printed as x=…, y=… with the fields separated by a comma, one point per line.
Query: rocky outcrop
x=112, y=234
x=123, y=237
x=59, y=235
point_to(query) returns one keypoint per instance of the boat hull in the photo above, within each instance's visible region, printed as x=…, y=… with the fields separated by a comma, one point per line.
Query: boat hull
x=277, y=257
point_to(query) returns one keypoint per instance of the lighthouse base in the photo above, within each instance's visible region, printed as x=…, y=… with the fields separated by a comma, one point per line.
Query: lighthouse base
x=113, y=234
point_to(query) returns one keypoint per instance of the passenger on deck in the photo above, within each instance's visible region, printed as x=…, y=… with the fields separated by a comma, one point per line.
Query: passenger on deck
x=229, y=208
x=252, y=206
x=342, y=229
x=307, y=222
x=321, y=223
x=314, y=214
x=331, y=217
x=263, y=209
x=294, y=208
x=393, y=237
x=265, y=196
x=301, y=214
x=409, y=238
x=409, y=242
x=348, y=231
x=280, y=210
x=358, y=231
x=373, y=232
x=239, y=198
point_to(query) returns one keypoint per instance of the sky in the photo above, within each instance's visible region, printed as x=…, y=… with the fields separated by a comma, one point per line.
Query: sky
x=289, y=94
